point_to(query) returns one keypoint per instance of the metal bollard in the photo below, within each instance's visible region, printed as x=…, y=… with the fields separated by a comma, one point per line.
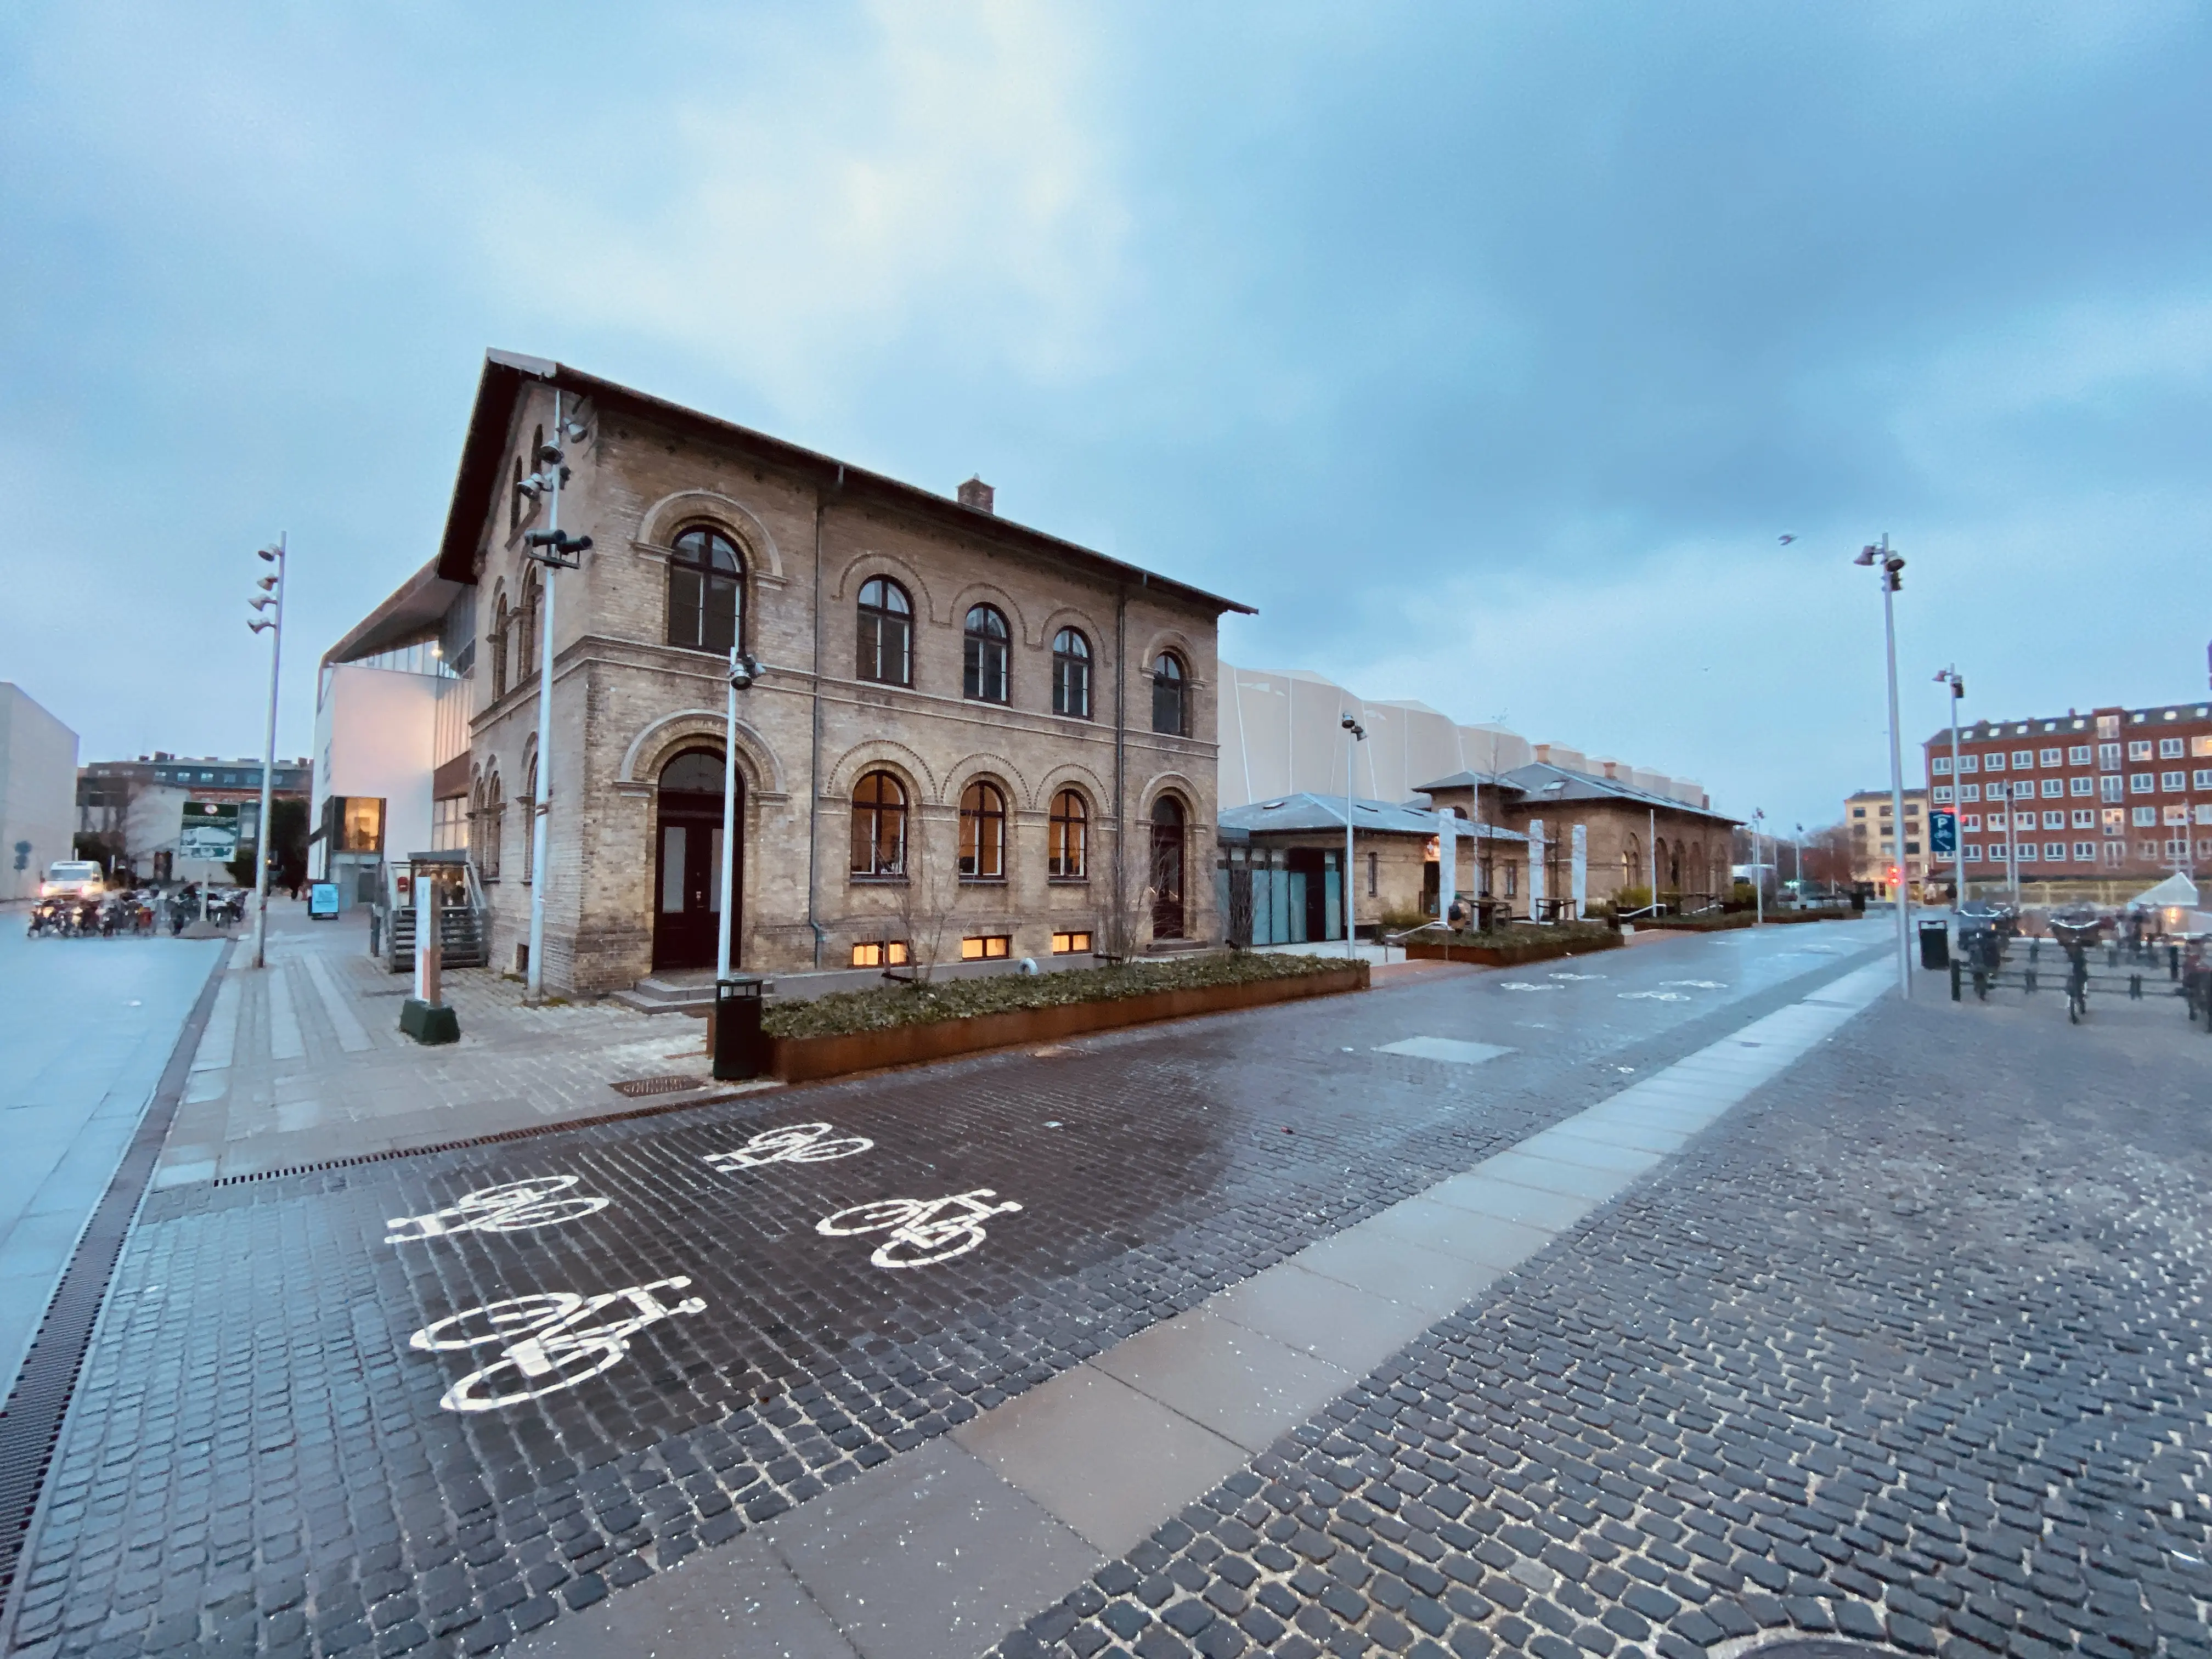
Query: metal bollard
x=2135, y=988
x=1954, y=979
x=2028, y=976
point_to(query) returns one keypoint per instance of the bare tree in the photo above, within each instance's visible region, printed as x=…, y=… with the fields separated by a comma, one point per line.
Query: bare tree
x=1126, y=919
x=925, y=901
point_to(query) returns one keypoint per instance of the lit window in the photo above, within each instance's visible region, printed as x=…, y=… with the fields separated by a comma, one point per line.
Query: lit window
x=986, y=947
x=879, y=826
x=1069, y=829
x=2200, y=747
x=885, y=953
x=982, y=832
x=2178, y=813
x=1068, y=944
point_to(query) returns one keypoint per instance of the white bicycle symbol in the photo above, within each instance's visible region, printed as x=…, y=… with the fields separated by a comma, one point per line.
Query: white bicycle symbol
x=923, y=1230
x=548, y=1345
x=514, y=1207
x=795, y=1143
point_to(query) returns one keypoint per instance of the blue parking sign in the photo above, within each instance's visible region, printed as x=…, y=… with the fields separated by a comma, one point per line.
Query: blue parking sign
x=1942, y=832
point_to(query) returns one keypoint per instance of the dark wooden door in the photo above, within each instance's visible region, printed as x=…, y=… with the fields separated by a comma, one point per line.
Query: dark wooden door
x=1167, y=883
x=687, y=867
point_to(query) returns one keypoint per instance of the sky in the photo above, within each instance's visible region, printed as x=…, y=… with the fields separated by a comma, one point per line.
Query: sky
x=1489, y=349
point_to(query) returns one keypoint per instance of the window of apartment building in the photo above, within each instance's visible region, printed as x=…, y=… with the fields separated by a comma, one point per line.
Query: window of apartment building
x=1993, y=762
x=2085, y=852
x=2200, y=747
x=879, y=826
x=1969, y=763
x=2178, y=813
x=1913, y=809
x=1070, y=944
x=706, y=590
x=1374, y=874
x=2051, y=757
x=2114, y=853
x=2139, y=783
x=983, y=653
x=1071, y=673
x=2108, y=757
x=886, y=634
x=2112, y=818
x=2108, y=726
x=1940, y=767
x=2145, y=851
x=1970, y=821
x=2170, y=748
x=2204, y=778
x=1973, y=854
x=1970, y=792
x=2139, y=748
x=2143, y=815
x=1858, y=812
x=2085, y=818
x=982, y=832
x=1911, y=846
x=2173, y=781
x=1885, y=808
x=1069, y=826
x=880, y=953
x=2022, y=759
x=449, y=824
x=2023, y=789
x=2054, y=786
x=1169, y=680
x=2108, y=788
x=2204, y=812
x=1942, y=794
x=2082, y=785
x=2078, y=755
x=986, y=947
x=2024, y=853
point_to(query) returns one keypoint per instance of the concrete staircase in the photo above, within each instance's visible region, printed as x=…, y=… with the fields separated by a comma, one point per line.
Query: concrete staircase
x=690, y=992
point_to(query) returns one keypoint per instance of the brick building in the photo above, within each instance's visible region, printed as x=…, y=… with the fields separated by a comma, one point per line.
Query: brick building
x=1870, y=816
x=1630, y=834
x=2092, y=804
x=970, y=739
x=138, y=810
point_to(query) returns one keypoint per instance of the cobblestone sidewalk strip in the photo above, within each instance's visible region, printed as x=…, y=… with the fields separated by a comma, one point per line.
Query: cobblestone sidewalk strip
x=1913, y=1352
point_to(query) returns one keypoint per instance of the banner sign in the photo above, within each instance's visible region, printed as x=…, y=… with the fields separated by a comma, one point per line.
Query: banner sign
x=209, y=831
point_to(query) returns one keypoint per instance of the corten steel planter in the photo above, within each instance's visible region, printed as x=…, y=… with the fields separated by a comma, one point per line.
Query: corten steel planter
x=809, y=1058
x=1510, y=955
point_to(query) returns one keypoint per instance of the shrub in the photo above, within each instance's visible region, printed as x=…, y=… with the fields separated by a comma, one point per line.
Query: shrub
x=844, y=1012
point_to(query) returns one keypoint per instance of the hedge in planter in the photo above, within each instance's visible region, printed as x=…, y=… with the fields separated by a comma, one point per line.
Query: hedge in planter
x=844, y=1014
x=1504, y=947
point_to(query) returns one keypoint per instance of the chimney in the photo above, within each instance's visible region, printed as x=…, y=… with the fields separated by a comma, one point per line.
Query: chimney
x=1612, y=769
x=979, y=496
x=1542, y=751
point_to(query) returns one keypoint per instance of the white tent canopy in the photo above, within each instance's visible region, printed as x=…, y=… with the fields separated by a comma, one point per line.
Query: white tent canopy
x=2177, y=891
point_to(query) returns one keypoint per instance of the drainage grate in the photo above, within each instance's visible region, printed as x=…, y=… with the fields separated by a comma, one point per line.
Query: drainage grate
x=503, y=1135
x=636, y=1086
x=31, y=1420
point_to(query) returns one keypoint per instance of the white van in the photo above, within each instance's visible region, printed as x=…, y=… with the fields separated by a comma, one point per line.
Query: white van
x=73, y=879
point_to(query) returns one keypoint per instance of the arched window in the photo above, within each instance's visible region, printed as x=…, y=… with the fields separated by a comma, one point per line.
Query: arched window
x=526, y=641
x=886, y=650
x=1674, y=866
x=982, y=832
x=1071, y=674
x=1071, y=825
x=514, y=498
x=879, y=826
x=529, y=822
x=706, y=591
x=1167, y=868
x=983, y=655
x=500, y=619
x=1632, y=863
x=485, y=840
x=1167, y=696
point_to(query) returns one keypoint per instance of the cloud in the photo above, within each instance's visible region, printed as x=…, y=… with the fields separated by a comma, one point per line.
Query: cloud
x=809, y=210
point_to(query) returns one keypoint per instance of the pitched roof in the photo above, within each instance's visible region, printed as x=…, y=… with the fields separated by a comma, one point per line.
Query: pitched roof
x=506, y=374
x=1540, y=781
x=1307, y=812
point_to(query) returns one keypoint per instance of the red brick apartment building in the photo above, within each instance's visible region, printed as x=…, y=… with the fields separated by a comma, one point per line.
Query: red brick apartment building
x=2100, y=802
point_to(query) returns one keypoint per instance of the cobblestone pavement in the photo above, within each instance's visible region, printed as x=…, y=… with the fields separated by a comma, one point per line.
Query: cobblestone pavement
x=257, y=1459
x=1911, y=1348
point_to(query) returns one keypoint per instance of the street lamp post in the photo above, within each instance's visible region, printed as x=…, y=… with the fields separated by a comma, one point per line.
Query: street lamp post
x=271, y=594
x=1957, y=683
x=555, y=552
x=1359, y=735
x=1758, y=869
x=744, y=671
x=1887, y=565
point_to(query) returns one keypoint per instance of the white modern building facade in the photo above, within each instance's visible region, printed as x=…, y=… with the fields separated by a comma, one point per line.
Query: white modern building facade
x=38, y=792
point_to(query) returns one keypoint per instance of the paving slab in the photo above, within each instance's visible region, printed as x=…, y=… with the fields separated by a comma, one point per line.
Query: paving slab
x=742, y=1600
x=1323, y=1317
x=1225, y=1377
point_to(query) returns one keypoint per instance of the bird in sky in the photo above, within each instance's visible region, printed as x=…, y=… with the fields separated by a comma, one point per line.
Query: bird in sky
x=1786, y=540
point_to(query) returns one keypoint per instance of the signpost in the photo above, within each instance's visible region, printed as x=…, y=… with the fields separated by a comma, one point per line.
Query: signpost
x=1943, y=833
x=209, y=831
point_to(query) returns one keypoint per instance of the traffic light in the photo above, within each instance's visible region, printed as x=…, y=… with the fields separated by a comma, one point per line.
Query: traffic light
x=1896, y=875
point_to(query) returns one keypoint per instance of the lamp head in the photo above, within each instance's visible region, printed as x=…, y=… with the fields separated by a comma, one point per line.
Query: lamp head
x=266, y=583
x=1867, y=555
x=274, y=554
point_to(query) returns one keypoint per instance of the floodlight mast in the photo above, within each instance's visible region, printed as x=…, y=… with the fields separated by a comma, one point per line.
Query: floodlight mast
x=1887, y=565
x=1359, y=735
x=557, y=552
x=273, y=593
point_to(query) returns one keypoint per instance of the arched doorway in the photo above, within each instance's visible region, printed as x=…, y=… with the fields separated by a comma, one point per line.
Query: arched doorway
x=687, y=864
x=1167, y=868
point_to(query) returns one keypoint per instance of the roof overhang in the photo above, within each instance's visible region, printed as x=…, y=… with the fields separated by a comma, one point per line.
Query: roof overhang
x=411, y=615
x=507, y=374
